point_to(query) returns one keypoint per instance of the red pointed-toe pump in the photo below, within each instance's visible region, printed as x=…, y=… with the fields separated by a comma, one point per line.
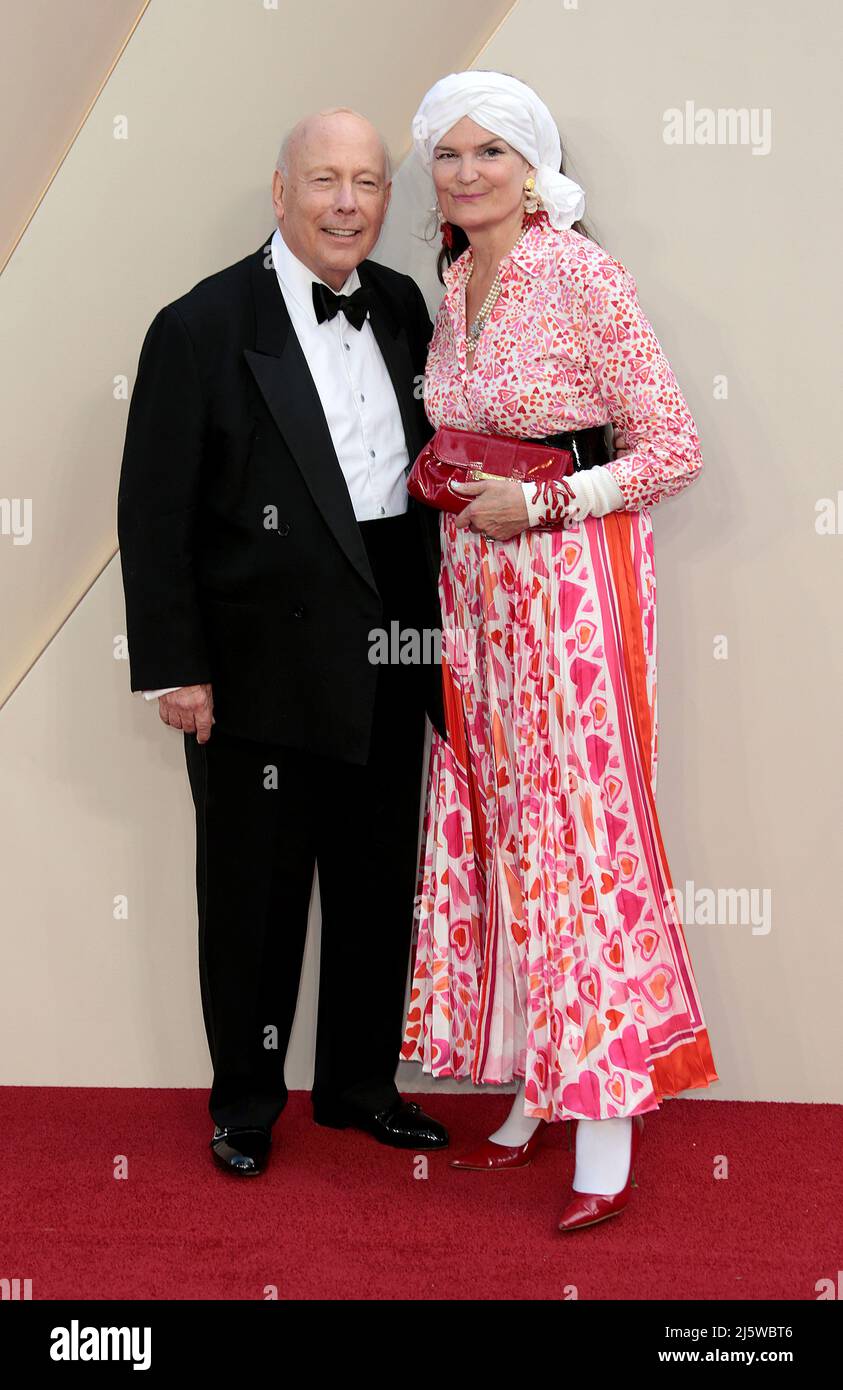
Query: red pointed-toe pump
x=502, y=1158
x=587, y=1208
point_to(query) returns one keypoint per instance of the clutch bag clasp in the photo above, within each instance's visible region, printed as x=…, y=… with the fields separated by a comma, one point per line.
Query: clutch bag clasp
x=476, y=472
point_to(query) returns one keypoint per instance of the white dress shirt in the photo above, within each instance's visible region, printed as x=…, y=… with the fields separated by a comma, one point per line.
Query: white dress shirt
x=355, y=389
x=356, y=393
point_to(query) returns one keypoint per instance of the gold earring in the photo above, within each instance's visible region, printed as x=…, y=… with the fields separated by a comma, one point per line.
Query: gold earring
x=532, y=201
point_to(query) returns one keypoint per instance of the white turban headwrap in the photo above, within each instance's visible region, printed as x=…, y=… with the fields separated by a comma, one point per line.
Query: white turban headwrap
x=511, y=110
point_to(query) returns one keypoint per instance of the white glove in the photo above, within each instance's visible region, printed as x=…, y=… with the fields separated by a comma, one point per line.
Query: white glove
x=595, y=493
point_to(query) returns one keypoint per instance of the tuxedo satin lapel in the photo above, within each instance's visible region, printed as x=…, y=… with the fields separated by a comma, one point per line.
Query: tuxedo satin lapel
x=280, y=369
x=391, y=337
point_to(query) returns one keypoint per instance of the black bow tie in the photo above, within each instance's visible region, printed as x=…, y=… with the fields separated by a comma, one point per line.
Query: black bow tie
x=327, y=304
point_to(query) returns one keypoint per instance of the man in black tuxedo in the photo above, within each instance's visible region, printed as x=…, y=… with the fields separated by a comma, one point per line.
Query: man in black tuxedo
x=266, y=534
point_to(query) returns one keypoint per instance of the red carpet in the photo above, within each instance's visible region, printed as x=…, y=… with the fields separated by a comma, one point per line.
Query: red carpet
x=337, y=1215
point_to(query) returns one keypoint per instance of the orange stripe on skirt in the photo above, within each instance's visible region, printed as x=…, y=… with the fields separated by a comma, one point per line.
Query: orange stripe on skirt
x=692, y=1064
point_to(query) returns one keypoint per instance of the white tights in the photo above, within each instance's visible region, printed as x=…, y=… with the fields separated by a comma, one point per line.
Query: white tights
x=602, y=1147
x=517, y=1127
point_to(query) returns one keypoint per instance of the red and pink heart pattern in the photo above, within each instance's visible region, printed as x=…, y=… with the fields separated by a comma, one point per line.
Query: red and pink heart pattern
x=548, y=946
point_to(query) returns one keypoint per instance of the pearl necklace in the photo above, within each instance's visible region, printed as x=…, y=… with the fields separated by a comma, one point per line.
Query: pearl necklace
x=489, y=302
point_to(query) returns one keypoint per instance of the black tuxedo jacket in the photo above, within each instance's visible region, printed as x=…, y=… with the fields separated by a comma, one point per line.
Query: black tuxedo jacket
x=225, y=424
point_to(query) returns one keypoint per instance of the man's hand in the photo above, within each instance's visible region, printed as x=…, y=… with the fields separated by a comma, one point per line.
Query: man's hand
x=498, y=508
x=190, y=709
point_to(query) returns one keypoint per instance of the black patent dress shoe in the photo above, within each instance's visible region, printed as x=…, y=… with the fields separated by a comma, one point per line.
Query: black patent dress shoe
x=243, y=1152
x=403, y=1124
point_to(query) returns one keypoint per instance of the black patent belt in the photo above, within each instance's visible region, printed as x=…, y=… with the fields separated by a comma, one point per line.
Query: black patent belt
x=589, y=447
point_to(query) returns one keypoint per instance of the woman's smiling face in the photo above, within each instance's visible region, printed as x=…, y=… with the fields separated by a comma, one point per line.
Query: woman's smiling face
x=479, y=178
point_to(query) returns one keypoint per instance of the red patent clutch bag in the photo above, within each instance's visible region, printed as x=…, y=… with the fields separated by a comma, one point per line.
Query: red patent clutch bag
x=463, y=456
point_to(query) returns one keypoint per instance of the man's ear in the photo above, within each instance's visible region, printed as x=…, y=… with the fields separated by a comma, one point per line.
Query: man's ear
x=278, y=192
x=387, y=196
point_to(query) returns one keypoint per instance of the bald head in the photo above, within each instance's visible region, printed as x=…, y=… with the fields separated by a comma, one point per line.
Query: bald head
x=337, y=121
x=331, y=190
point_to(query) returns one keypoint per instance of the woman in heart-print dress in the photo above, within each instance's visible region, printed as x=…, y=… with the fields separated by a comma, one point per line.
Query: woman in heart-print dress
x=549, y=950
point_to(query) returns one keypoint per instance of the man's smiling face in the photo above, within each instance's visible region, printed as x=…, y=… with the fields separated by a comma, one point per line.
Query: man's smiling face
x=332, y=197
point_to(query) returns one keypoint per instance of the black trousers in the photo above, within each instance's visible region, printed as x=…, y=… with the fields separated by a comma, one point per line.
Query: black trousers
x=265, y=816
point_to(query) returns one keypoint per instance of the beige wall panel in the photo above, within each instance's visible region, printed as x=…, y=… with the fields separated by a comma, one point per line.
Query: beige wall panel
x=54, y=56
x=206, y=88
